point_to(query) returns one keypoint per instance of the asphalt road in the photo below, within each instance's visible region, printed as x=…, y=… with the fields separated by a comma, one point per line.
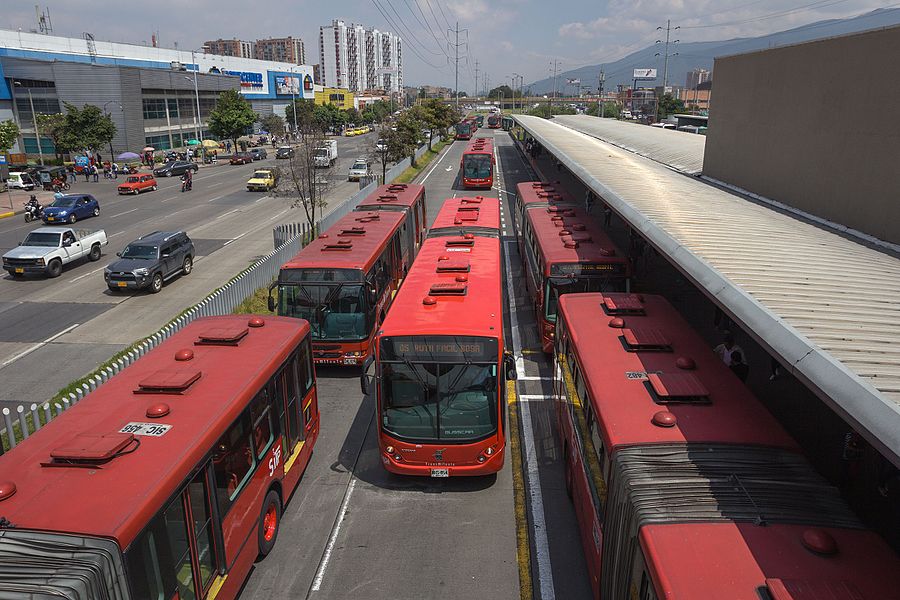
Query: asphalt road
x=53, y=331
x=354, y=530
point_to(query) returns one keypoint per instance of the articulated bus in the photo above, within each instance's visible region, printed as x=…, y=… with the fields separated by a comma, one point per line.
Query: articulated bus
x=539, y=193
x=479, y=120
x=494, y=120
x=477, y=164
x=440, y=365
x=684, y=485
x=565, y=251
x=343, y=283
x=408, y=198
x=465, y=129
x=170, y=479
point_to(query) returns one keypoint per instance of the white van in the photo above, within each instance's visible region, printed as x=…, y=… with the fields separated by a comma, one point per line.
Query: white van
x=20, y=181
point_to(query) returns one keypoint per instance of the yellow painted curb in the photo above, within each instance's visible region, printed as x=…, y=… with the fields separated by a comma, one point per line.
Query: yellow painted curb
x=523, y=548
x=7, y=214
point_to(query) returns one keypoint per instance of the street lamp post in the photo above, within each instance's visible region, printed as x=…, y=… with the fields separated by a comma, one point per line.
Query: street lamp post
x=516, y=78
x=294, y=102
x=197, y=97
x=109, y=115
x=37, y=133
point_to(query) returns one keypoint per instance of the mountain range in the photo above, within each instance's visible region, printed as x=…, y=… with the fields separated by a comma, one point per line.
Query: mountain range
x=693, y=55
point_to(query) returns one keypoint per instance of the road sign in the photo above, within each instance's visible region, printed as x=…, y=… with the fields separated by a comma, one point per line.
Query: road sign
x=2, y=159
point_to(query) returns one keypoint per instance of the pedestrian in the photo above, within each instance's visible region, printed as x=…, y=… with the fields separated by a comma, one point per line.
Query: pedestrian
x=115, y=170
x=71, y=171
x=607, y=215
x=96, y=173
x=738, y=366
x=589, y=201
x=727, y=348
x=86, y=169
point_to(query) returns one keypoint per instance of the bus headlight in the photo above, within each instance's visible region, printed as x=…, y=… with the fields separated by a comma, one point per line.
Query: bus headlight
x=489, y=451
x=389, y=450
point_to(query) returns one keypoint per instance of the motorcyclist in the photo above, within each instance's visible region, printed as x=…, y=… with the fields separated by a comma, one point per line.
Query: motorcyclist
x=33, y=209
x=187, y=181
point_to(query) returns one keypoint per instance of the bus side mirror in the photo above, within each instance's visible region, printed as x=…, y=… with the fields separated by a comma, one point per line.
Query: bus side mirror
x=509, y=365
x=365, y=379
x=271, y=299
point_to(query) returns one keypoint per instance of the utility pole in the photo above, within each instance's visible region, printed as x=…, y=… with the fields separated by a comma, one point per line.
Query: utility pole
x=476, y=78
x=555, y=64
x=600, y=88
x=668, y=29
x=456, y=47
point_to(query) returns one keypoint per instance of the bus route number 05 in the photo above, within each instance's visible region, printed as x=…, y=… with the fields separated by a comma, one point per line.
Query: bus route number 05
x=275, y=460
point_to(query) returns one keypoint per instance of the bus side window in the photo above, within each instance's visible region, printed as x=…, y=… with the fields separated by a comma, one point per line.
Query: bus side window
x=640, y=578
x=261, y=417
x=233, y=463
x=306, y=380
x=159, y=561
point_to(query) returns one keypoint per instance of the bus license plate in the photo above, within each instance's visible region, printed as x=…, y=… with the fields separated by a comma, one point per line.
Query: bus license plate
x=440, y=472
x=349, y=361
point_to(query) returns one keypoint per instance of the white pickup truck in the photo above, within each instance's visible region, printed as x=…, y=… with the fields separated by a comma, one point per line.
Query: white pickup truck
x=326, y=153
x=46, y=249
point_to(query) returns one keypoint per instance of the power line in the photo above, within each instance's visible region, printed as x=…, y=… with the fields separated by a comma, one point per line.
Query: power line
x=411, y=47
x=436, y=21
x=441, y=8
x=783, y=13
x=456, y=46
x=408, y=30
x=426, y=24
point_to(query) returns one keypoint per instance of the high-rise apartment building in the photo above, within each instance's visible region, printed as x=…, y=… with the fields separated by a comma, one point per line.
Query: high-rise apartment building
x=288, y=49
x=359, y=59
x=695, y=78
x=238, y=48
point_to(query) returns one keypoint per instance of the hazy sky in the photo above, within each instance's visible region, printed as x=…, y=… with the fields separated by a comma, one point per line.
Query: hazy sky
x=504, y=36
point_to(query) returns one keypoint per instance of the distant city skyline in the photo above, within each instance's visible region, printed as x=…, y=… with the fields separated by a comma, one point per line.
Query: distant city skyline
x=504, y=36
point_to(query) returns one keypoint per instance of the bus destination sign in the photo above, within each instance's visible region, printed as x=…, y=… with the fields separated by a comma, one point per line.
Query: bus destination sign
x=439, y=348
x=588, y=269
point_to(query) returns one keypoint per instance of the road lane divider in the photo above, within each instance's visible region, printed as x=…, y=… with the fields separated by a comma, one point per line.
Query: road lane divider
x=31, y=349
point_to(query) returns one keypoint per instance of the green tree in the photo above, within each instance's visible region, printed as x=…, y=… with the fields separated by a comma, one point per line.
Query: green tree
x=273, y=123
x=303, y=109
x=669, y=105
x=610, y=109
x=86, y=127
x=544, y=110
x=328, y=116
x=503, y=91
x=404, y=141
x=353, y=116
x=306, y=185
x=436, y=115
x=376, y=111
x=9, y=131
x=231, y=117
x=53, y=126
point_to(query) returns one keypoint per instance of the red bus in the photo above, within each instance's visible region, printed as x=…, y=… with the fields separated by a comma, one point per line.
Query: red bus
x=477, y=164
x=460, y=216
x=565, y=251
x=494, y=120
x=408, y=198
x=684, y=485
x=169, y=480
x=539, y=193
x=465, y=129
x=343, y=283
x=440, y=362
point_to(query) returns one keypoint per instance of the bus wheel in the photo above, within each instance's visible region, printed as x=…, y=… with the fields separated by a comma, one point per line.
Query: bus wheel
x=269, y=520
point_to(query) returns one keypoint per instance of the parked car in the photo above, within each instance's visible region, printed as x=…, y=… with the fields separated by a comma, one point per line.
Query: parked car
x=241, y=158
x=20, y=181
x=135, y=184
x=46, y=249
x=263, y=180
x=360, y=168
x=259, y=153
x=68, y=208
x=284, y=152
x=175, y=167
x=150, y=260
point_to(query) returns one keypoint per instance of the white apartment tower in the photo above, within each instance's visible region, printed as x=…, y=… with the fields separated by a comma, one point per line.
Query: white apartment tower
x=360, y=59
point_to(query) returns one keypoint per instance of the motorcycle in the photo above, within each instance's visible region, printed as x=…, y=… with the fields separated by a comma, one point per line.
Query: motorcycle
x=129, y=170
x=60, y=185
x=186, y=184
x=33, y=210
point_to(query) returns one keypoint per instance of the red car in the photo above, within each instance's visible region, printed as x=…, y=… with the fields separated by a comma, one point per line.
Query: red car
x=135, y=184
x=241, y=158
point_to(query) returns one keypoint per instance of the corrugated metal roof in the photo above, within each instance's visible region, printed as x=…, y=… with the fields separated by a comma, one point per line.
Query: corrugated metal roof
x=822, y=303
x=677, y=149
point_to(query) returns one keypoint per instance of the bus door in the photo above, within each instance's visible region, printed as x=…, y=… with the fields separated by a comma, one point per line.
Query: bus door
x=292, y=385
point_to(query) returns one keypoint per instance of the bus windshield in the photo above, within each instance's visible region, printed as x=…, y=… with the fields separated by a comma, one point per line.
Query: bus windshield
x=463, y=128
x=335, y=307
x=440, y=395
x=557, y=286
x=477, y=166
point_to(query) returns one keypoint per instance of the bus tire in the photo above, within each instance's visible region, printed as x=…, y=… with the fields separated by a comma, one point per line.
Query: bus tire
x=269, y=522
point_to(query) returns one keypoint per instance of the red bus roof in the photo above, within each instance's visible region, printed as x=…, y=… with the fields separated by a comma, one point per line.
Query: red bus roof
x=584, y=242
x=542, y=192
x=712, y=406
x=116, y=499
x=477, y=211
x=402, y=195
x=733, y=560
x=354, y=242
x=480, y=146
x=454, y=287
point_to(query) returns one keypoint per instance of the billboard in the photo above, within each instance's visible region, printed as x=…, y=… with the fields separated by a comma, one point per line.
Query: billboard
x=287, y=85
x=644, y=74
x=249, y=81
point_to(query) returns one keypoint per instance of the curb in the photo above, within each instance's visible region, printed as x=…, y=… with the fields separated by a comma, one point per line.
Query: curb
x=7, y=214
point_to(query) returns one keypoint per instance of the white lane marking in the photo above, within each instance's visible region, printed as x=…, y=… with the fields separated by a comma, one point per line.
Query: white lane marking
x=532, y=471
x=444, y=153
x=125, y=213
x=87, y=274
x=226, y=214
x=448, y=169
x=217, y=198
x=31, y=349
x=212, y=185
x=320, y=572
x=115, y=234
x=235, y=239
x=530, y=378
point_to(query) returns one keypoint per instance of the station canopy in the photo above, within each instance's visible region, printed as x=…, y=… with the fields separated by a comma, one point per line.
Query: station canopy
x=825, y=305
